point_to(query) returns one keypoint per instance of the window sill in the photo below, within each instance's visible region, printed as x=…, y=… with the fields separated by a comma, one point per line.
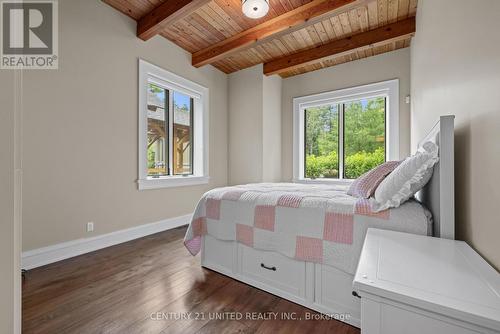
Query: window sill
x=340, y=182
x=171, y=182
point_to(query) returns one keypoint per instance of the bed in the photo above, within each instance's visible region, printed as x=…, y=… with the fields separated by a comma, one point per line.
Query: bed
x=302, y=241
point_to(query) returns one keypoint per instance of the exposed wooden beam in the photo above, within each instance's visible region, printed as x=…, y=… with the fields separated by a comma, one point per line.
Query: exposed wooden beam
x=167, y=13
x=286, y=23
x=389, y=33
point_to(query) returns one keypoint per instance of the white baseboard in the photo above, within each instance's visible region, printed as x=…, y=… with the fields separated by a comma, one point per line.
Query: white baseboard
x=50, y=254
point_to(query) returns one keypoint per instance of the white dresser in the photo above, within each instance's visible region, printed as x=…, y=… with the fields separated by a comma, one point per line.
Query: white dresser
x=416, y=284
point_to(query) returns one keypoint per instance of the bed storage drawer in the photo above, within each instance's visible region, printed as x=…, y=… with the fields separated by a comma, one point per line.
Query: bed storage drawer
x=219, y=255
x=273, y=270
x=333, y=290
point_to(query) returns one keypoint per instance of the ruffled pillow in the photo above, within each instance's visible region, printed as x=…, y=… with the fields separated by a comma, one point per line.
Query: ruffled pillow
x=365, y=185
x=407, y=179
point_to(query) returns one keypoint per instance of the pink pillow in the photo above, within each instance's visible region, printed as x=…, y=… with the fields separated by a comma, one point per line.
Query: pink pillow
x=365, y=185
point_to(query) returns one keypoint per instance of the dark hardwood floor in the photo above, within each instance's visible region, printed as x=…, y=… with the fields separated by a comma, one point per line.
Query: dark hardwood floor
x=143, y=286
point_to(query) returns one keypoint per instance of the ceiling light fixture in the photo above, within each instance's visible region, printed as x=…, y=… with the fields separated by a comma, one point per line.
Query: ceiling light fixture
x=255, y=9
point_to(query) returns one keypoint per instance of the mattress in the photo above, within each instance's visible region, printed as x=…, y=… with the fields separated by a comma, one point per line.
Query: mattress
x=308, y=222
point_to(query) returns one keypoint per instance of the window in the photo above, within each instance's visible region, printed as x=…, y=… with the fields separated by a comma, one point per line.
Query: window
x=172, y=129
x=342, y=134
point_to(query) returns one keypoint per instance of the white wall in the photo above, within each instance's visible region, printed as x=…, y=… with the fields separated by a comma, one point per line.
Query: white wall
x=271, y=155
x=7, y=252
x=80, y=130
x=456, y=70
x=245, y=125
x=392, y=65
x=254, y=126
x=10, y=200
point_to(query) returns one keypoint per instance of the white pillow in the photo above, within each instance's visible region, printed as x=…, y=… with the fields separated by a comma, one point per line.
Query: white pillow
x=407, y=179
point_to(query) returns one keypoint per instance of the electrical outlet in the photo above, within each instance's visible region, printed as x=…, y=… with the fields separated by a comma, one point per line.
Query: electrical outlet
x=90, y=226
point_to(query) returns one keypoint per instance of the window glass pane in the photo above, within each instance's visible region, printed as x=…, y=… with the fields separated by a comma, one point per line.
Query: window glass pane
x=364, y=136
x=321, y=142
x=157, y=131
x=183, y=134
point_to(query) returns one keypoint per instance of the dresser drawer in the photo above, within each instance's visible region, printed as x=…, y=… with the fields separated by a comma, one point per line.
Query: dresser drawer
x=273, y=270
x=387, y=317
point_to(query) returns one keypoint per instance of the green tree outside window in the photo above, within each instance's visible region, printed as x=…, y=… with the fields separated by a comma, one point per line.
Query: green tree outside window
x=363, y=139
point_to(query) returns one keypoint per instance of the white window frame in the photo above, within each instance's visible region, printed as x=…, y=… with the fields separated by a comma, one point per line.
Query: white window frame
x=165, y=79
x=388, y=89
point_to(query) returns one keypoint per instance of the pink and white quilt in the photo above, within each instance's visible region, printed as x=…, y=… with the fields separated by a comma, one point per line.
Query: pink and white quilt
x=315, y=223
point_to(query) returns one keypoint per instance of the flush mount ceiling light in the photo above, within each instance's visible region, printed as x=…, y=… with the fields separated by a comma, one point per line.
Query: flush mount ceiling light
x=255, y=9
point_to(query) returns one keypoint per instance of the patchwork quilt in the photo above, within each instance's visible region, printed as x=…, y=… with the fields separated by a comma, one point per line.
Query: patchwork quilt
x=314, y=223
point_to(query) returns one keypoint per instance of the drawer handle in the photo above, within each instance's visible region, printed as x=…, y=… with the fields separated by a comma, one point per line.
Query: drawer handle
x=268, y=268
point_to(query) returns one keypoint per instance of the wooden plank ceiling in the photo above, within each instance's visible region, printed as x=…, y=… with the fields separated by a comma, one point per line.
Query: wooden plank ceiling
x=344, y=31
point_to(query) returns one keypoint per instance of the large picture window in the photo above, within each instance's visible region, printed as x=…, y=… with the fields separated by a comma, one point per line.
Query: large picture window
x=343, y=134
x=172, y=129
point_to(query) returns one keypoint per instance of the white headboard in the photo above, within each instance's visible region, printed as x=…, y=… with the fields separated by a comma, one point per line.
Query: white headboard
x=439, y=194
